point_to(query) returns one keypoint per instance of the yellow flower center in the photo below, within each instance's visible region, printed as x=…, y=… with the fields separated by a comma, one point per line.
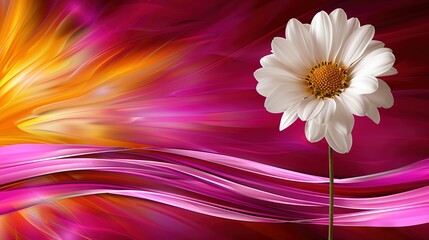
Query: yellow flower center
x=327, y=79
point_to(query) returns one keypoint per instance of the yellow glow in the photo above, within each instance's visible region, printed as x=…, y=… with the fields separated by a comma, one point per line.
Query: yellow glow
x=56, y=89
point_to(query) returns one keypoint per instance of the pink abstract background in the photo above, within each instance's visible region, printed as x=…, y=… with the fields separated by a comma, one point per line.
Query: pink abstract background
x=140, y=120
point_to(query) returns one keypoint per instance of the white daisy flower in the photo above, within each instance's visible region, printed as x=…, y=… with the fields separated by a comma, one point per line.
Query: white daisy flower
x=324, y=73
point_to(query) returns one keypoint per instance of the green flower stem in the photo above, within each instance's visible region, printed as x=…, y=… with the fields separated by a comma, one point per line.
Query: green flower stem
x=331, y=195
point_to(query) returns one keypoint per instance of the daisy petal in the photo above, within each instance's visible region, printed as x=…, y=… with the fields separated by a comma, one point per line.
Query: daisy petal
x=300, y=37
x=354, y=103
x=342, y=120
x=363, y=84
x=339, y=22
x=356, y=44
x=372, y=46
x=288, y=117
x=382, y=97
x=390, y=72
x=266, y=85
x=271, y=61
x=352, y=25
x=373, y=113
x=326, y=112
x=303, y=104
x=314, y=131
x=321, y=30
x=311, y=109
x=288, y=54
x=276, y=73
x=307, y=26
x=375, y=63
x=281, y=98
x=339, y=142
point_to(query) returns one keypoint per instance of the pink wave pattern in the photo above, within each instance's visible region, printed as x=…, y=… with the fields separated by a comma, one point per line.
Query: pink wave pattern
x=213, y=184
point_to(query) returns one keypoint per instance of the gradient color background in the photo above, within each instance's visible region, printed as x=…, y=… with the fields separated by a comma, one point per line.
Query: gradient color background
x=140, y=120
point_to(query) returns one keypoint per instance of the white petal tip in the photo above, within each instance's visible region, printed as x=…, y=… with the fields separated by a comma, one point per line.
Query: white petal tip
x=287, y=119
x=376, y=120
x=339, y=10
x=257, y=74
x=391, y=104
x=393, y=71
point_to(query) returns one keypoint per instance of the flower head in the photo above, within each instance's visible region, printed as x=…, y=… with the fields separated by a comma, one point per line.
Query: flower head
x=324, y=73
